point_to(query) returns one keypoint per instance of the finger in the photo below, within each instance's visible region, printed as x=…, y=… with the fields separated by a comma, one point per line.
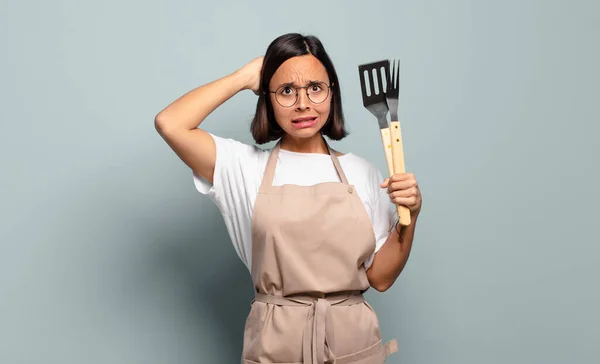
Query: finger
x=403, y=176
x=385, y=182
x=402, y=185
x=410, y=192
x=405, y=201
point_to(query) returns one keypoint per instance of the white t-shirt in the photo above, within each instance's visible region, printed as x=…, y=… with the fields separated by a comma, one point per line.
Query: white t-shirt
x=239, y=171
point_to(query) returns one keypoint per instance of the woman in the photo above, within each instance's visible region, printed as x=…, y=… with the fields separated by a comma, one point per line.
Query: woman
x=311, y=224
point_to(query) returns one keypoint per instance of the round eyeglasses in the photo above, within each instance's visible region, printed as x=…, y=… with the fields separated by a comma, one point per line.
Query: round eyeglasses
x=287, y=95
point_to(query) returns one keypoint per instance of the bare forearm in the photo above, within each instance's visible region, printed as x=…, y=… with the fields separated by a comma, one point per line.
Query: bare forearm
x=188, y=111
x=392, y=257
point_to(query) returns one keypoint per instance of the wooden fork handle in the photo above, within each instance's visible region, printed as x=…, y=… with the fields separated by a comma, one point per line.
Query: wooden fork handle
x=398, y=165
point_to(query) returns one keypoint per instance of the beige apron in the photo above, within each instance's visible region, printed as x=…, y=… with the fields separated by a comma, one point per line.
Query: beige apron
x=308, y=248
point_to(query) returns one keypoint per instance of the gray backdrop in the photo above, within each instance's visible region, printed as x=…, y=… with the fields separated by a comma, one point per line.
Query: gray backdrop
x=109, y=255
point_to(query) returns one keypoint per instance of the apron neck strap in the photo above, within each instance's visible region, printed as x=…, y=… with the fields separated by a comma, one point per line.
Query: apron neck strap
x=338, y=166
x=272, y=163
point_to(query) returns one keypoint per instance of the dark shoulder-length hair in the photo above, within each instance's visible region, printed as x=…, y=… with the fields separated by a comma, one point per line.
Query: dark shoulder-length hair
x=264, y=127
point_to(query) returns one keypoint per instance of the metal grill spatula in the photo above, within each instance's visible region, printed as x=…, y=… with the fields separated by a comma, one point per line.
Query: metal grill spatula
x=374, y=100
x=372, y=76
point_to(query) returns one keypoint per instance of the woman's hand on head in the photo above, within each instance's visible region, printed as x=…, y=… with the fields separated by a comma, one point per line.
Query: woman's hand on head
x=251, y=74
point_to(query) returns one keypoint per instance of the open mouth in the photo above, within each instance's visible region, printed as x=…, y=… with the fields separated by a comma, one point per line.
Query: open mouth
x=304, y=122
x=307, y=119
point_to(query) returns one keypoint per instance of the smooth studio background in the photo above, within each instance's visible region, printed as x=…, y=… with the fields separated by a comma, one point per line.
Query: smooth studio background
x=108, y=254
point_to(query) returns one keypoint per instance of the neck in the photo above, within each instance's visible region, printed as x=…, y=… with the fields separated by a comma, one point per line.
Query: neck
x=315, y=144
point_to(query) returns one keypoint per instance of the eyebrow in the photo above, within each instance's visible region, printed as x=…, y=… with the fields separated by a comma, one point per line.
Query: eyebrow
x=310, y=82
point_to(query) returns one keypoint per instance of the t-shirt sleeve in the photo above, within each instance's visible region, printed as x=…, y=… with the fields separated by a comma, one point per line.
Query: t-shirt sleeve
x=233, y=166
x=234, y=188
x=382, y=215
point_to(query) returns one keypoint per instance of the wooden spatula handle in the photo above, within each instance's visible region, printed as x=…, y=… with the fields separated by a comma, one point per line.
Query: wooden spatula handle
x=387, y=149
x=386, y=139
x=398, y=165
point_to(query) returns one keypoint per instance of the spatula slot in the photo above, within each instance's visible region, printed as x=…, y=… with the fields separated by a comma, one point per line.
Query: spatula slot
x=383, y=74
x=379, y=81
x=376, y=78
x=367, y=81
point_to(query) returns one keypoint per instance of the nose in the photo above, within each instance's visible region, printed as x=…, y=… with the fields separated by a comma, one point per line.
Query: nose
x=302, y=103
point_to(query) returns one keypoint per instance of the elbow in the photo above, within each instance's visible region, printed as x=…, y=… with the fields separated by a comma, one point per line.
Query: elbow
x=378, y=283
x=381, y=286
x=161, y=124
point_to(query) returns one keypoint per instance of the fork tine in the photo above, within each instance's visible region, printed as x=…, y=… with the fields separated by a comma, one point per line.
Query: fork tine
x=392, y=72
x=393, y=76
x=397, y=75
x=389, y=77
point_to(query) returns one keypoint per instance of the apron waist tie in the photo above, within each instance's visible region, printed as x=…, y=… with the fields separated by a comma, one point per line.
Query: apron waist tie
x=315, y=338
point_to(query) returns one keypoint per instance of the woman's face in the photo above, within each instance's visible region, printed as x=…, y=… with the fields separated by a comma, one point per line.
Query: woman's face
x=302, y=118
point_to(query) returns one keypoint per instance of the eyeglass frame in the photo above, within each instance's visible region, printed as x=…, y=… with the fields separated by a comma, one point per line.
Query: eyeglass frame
x=329, y=87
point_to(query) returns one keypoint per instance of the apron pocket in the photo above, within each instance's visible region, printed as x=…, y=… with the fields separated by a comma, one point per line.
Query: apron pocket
x=246, y=361
x=374, y=354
